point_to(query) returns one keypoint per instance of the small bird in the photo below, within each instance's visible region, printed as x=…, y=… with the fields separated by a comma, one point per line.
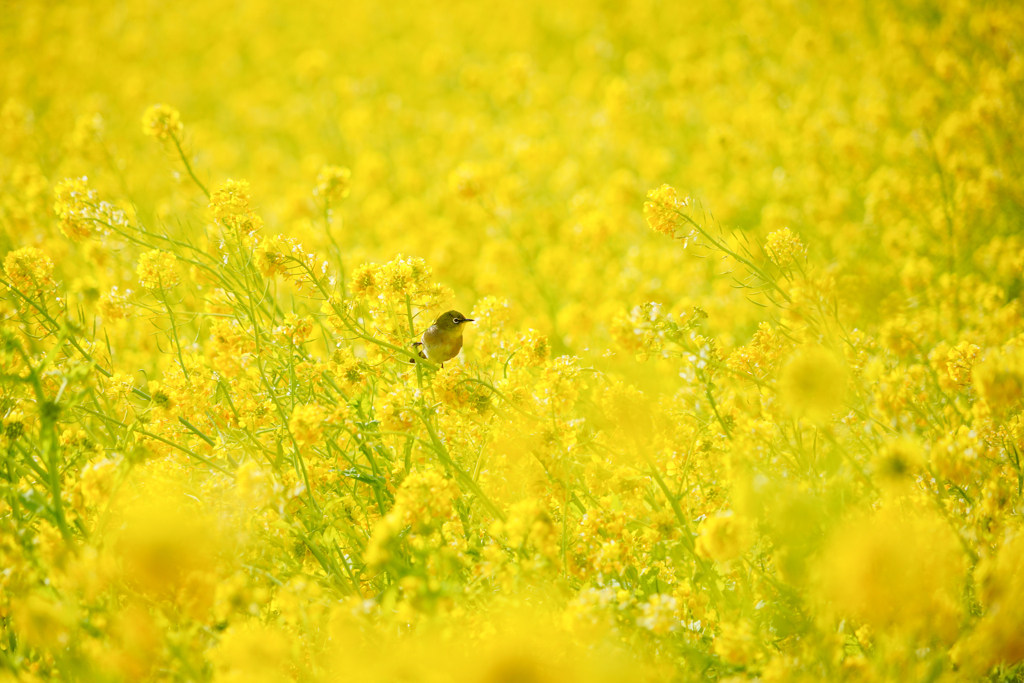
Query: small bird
x=443, y=340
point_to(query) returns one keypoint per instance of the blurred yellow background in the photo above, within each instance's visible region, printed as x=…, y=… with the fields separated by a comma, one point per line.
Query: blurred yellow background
x=742, y=400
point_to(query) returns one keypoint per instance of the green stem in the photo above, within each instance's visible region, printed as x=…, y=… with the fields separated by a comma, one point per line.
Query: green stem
x=188, y=166
x=51, y=446
x=161, y=439
x=721, y=247
x=174, y=328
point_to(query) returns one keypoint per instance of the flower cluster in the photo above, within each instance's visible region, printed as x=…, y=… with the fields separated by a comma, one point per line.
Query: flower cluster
x=230, y=206
x=162, y=122
x=783, y=247
x=29, y=270
x=663, y=210
x=333, y=183
x=74, y=207
x=156, y=270
x=397, y=281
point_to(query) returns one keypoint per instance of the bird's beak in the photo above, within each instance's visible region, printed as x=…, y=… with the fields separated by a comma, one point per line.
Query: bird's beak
x=469, y=320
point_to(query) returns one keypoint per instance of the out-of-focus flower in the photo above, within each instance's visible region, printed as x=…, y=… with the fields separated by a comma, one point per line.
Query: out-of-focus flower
x=813, y=384
x=162, y=122
x=333, y=183
x=30, y=270
x=156, y=270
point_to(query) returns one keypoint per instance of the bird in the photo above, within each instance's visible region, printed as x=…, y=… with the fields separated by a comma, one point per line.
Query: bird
x=442, y=341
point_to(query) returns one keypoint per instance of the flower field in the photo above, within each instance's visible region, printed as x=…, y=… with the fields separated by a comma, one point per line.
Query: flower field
x=743, y=398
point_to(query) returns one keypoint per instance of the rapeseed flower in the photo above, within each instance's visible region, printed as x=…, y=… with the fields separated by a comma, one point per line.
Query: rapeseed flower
x=30, y=270
x=813, y=384
x=162, y=122
x=156, y=270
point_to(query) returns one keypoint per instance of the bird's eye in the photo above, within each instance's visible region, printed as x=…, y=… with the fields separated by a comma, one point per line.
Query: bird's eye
x=456, y=320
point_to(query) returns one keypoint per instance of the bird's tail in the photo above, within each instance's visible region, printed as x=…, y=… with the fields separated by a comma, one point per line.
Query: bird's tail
x=422, y=355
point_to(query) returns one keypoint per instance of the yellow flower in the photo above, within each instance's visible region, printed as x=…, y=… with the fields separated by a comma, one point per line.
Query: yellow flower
x=660, y=614
x=271, y=257
x=295, y=330
x=366, y=281
x=724, y=536
x=114, y=305
x=120, y=386
x=333, y=183
x=663, y=208
x=162, y=122
x=813, y=384
x=14, y=425
x=29, y=270
x=75, y=207
x=43, y=622
x=156, y=270
x=783, y=247
x=254, y=485
x=999, y=636
x=98, y=479
x=961, y=359
x=253, y=653
x=231, y=208
x=999, y=380
x=163, y=544
x=894, y=569
x=735, y=643
x=899, y=461
x=306, y=424
x=423, y=501
x=230, y=199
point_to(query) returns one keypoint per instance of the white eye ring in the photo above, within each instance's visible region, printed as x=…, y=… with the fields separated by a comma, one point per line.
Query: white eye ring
x=456, y=320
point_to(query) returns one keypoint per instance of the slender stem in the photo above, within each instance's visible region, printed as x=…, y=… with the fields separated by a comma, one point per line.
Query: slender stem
x=174, y=328
x=188, y=166
x=721, y=247
x=337, y=249
x=51, y=447
x=161, y=439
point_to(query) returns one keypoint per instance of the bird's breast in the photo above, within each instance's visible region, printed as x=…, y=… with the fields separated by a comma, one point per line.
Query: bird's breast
x=440, y=347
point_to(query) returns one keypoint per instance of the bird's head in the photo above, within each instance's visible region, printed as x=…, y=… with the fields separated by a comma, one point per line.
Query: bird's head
x=451, y=320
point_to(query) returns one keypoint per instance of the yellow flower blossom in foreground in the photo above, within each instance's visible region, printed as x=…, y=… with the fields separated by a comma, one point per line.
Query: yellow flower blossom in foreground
x=813, y=384
x=999, y=638
x=896, y=569
x=43, y=623
x=724, y=537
